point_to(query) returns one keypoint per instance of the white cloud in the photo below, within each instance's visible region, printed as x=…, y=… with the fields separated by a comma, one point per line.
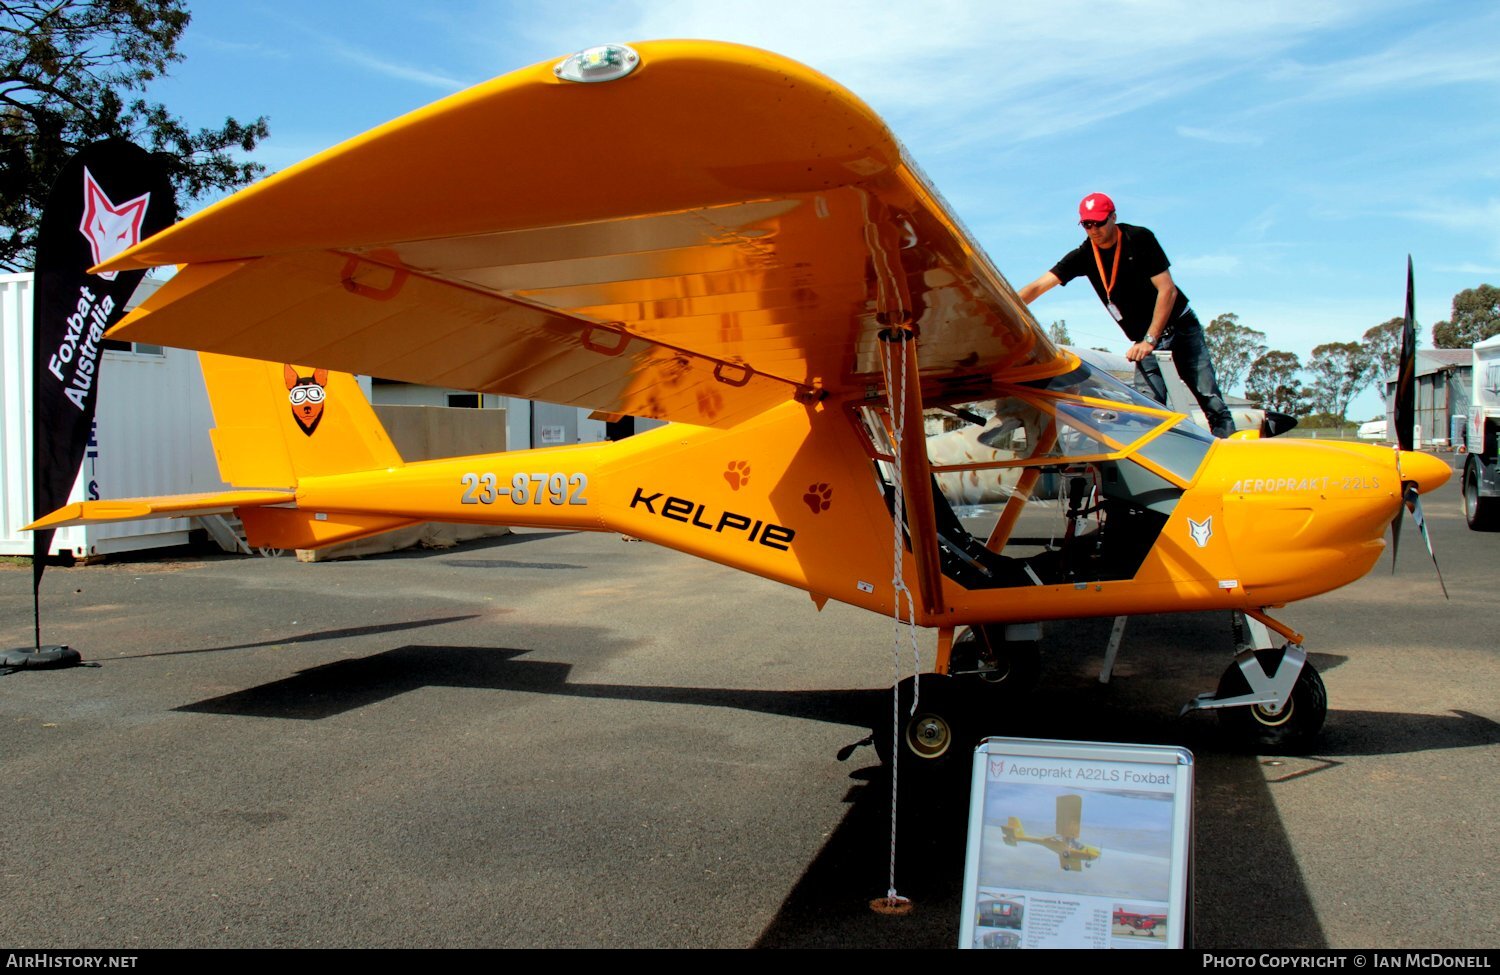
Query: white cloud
x=1451, y=51
x=391, y=69
x=970, y=72
x=349, y=53
x=254, y=48
x=1221, y=136
x=1472, y=215
x=1260, y=225
x=1209, y=263
x=1468, y=268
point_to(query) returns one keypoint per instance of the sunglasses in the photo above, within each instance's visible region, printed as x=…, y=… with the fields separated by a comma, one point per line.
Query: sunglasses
x=1093, y=224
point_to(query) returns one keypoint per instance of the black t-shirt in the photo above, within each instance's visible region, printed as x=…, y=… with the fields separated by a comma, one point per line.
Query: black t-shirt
x=1134, y=294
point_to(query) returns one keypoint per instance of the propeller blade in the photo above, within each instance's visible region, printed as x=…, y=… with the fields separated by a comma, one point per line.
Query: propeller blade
x=1405, y=415
x=1396, y=528
x=1413, y=501
x=1406, y=369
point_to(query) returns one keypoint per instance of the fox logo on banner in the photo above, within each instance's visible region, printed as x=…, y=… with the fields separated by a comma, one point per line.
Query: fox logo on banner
x=109, y=197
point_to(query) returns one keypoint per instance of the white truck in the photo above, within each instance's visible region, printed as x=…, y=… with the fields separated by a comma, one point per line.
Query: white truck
x=1481, y=431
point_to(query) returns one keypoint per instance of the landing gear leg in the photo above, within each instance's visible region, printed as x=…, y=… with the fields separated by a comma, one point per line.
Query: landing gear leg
x=1002, y=662
x=1269, y=698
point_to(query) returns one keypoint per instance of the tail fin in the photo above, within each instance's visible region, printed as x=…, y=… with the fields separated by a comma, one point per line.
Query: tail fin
x=1012, y=831
x=275, y=423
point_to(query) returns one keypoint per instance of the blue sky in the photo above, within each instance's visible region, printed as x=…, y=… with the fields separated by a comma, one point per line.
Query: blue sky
x=1289, y=155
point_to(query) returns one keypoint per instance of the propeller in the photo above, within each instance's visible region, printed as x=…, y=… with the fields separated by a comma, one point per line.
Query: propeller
x=1405, y=416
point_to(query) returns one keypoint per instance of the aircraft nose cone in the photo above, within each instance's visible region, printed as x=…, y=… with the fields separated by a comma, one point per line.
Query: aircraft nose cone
x=1429, y=472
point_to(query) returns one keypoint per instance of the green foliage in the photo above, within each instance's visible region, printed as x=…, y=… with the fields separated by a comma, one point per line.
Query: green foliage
x=1383, y=346
x=1476, y=317
x=1275, y=382
x=1326, y=421
x=68, y=69
x=1339, y=371
x=1233, y=348
x=1058, y=333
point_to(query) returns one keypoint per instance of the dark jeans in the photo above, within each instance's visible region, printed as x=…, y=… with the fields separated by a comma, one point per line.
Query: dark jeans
x=1189, y=348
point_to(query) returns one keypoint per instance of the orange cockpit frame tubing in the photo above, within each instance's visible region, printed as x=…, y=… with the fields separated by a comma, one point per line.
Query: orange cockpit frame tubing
x=1048, y=403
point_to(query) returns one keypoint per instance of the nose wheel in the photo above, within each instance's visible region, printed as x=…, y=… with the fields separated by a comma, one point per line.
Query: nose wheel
x=1293, y=725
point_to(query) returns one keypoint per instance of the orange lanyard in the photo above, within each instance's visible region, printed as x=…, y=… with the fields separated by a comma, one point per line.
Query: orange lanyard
x=1114, y=272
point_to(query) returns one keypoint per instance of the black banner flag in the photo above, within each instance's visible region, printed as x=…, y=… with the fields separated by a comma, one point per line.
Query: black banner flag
x=110, y=196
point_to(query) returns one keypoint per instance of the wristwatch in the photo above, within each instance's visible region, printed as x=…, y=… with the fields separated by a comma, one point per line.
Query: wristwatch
x=1150, y=340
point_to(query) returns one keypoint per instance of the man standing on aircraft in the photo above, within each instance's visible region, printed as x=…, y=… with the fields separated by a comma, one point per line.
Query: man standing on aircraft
x=1129, y=270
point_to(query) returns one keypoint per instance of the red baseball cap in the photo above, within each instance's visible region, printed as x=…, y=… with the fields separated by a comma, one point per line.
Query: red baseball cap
x=1095, y=206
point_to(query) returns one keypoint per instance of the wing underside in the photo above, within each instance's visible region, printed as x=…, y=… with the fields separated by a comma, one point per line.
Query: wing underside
x=721, y=231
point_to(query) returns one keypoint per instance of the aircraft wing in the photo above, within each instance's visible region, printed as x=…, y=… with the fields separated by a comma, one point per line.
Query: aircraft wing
x=1069, y=816
x=719, y=231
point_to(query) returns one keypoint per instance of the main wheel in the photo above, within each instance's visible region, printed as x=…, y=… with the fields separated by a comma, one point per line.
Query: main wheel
x=1482, y=514
x=935, y=743
x=1002, y=668
x=1292, y=728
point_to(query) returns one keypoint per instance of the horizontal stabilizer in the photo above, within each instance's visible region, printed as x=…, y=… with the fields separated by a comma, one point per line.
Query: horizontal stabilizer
x=167, y=506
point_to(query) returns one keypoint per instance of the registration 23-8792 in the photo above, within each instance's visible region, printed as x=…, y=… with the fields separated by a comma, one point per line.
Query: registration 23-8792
x=525, y=489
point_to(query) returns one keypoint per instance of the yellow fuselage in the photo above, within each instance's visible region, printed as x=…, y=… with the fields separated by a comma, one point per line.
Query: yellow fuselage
x=792, y=495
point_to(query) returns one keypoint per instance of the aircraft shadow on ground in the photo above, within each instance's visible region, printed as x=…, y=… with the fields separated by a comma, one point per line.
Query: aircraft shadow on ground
x=331, y=689
x=342, y=633
x=1247, y=881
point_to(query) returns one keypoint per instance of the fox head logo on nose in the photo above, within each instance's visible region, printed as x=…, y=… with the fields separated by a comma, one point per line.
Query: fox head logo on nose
x=1201, y=531
x=306, y=395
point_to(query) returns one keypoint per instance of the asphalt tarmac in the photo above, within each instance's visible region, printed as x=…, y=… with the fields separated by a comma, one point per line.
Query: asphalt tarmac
x=559, y=739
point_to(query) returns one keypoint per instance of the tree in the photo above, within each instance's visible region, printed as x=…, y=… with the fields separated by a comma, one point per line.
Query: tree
x=1058, y=333
x=1339, y=371
x=1233, y=347
x=67, y=68
x=1274, y=380
x=1383, y=346
x=1476, y=317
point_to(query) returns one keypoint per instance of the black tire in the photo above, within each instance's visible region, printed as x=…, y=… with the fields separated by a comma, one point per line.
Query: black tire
x=1006, y=669
x=936, y=743
x=1294, y=728
x=1482, y=514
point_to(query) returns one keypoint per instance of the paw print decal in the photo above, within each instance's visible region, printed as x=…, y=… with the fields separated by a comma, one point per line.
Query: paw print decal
x=738, y=473
x=818, y=497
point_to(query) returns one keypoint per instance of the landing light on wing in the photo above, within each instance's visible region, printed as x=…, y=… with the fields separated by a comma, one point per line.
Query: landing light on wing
x=607, y=62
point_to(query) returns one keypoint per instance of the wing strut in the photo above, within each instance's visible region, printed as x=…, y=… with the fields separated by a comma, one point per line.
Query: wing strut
x=911, y=505
x=899, y=348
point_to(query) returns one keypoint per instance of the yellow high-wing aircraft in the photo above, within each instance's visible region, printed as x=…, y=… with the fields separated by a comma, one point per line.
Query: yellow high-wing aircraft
x=1072, y=853
x=718, y=236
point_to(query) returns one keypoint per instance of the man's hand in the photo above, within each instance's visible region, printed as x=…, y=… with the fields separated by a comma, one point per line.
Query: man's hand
x=1139, y=351
x=1039, y=287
